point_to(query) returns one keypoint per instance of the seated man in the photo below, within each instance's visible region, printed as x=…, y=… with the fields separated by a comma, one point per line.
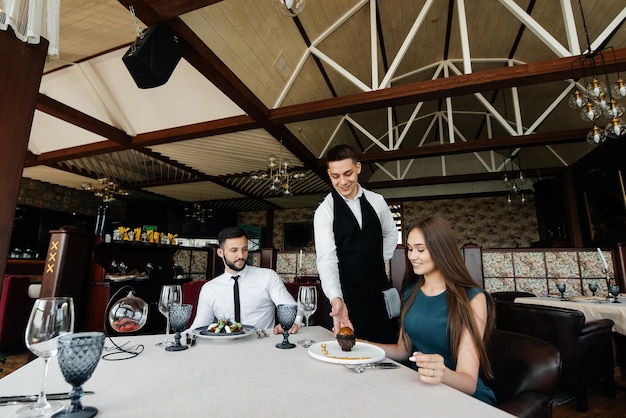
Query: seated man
x=251, y=298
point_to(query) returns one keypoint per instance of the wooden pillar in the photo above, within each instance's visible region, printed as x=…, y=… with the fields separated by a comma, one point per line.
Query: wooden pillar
x=66, y=267
x=573, y=218
x=21, y=68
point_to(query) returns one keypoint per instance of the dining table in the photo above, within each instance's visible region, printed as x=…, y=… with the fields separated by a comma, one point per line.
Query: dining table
x=592, y=307
x=248, y=376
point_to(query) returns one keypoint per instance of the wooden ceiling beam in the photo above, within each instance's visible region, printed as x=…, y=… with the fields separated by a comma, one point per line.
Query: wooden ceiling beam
x=479, y=145
x=203, y=59
x=196, y=130
x=494, y=79
x=88, y=150
x=156, y=11
x=70, y=115
x=462, y=178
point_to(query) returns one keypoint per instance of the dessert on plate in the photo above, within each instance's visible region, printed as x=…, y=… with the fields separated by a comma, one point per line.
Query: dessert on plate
x=346, y=339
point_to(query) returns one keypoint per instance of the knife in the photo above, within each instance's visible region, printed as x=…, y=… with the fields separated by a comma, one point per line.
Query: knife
x=10, y=400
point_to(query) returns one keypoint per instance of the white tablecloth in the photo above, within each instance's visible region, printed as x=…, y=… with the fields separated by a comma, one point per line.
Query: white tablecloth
x=248, y=377
x=592, y=309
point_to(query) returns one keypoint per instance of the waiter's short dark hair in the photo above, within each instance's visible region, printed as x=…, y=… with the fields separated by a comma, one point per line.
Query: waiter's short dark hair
x=341, y=152
x=230, y=232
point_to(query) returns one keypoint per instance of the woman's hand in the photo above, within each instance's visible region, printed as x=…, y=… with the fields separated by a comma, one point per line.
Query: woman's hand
x=430, y=367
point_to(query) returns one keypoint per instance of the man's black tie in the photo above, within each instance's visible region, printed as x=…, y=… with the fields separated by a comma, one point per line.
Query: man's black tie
x=236, y=295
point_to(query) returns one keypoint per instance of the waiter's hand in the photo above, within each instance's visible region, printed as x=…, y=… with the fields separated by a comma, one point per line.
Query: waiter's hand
x=339, y=313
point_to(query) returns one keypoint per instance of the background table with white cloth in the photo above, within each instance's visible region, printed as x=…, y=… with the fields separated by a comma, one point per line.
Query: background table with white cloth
x=247, y=377
x=591, y=308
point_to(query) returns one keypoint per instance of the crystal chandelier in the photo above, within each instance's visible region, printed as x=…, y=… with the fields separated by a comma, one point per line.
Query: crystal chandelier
x=515, y=185
x=594, y=99
x=107, y=190
x=278, y=175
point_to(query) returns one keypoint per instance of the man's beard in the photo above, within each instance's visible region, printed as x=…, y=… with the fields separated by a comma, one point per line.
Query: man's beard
x=233, y=266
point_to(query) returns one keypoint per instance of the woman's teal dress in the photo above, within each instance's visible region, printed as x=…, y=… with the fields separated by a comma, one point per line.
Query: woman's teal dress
x=426, y=324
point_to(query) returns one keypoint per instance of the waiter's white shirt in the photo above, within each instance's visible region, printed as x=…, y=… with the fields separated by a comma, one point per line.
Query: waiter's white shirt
x=325, y=248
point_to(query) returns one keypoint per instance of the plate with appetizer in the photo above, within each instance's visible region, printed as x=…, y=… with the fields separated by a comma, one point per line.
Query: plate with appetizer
x=224, y=329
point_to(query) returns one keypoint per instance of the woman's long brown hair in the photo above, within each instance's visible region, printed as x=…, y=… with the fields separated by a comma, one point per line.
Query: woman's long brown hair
x=442, y=246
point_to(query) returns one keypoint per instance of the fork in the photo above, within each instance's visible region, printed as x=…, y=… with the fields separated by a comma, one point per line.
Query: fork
x=356, y=369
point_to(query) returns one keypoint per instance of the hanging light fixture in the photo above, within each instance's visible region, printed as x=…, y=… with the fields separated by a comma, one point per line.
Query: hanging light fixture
x=198, y=212
x=107, y=191
x=278, y=174
x=596, y=99
x=290, y=8
x=514, y=186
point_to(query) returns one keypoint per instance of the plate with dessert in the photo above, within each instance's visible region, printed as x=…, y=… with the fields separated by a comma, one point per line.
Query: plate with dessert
x=224, y=329
x=346, y=350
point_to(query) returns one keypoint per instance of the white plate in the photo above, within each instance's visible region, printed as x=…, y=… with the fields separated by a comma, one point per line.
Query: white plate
x=203, y=333
x=361, y=353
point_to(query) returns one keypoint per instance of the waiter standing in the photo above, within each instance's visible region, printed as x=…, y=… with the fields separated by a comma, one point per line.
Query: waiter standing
x=355, y=235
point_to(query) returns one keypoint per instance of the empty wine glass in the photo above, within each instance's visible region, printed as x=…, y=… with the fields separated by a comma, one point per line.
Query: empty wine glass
x=286, y=318
x=307, y=301
x=149, y=268
x=123, y=267
x=170, y=294
x=593, y=288
x=561, y=288
x=78, y=357
x=179, y=315
x=50, y=318
x=614, y=290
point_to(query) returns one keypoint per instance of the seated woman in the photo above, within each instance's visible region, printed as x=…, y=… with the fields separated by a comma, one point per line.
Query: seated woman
x=446, y=318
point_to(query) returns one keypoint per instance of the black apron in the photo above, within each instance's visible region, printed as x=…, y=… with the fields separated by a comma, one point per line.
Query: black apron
x=362, y=271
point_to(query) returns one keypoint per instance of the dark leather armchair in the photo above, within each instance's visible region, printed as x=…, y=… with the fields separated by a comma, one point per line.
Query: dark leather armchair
x=526, y=374
x=586, y=347
x=510, y=296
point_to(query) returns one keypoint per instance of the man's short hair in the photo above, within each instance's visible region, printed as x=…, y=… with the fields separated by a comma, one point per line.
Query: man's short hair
x=230, y=232
x=341, y=152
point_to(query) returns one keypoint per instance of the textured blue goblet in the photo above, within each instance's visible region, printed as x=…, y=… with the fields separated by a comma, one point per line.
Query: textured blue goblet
x=179, y=315
x=286, y=317
x=614, y=290
x=79, y=354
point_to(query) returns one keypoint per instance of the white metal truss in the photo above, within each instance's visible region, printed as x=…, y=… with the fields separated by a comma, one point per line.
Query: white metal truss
x=394, y=133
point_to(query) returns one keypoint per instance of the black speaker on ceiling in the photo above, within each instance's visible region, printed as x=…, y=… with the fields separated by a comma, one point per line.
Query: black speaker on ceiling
x=152, y=57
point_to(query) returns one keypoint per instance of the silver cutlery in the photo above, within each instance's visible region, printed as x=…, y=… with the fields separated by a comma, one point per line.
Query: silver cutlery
x=12, y=400
x=362, y=367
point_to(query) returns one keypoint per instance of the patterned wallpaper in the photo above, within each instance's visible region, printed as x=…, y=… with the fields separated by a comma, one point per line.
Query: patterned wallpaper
x=539, y=272
x=63, y=199
x=487, y=221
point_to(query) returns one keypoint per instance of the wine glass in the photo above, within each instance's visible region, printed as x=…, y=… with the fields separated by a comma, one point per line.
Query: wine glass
x=286, y=318
x=561, y=288
x=78, y=357
x=614, y=290
x=179, y=315
x=307, y=301
x=593, y=288
x=170, y=294
x=50, y=318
